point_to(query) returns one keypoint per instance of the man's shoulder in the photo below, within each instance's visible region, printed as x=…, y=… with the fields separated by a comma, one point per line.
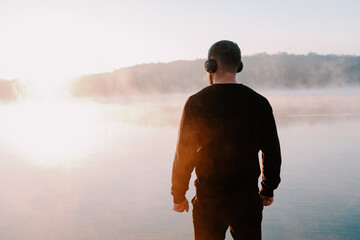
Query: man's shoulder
x=241, y=89
x=200, y=93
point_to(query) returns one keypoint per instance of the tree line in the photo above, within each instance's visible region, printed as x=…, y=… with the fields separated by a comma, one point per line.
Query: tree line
x=261, y=71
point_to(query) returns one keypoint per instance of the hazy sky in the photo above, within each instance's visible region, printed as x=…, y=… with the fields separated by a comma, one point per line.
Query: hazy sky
x=44, y=39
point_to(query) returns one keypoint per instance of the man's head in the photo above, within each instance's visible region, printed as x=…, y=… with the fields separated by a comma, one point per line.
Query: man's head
x=225, y=53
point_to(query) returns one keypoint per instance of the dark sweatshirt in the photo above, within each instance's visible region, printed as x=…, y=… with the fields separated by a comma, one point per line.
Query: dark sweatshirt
x=223, y=128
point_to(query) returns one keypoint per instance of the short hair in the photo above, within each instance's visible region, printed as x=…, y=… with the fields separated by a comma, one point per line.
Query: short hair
x=228, y=54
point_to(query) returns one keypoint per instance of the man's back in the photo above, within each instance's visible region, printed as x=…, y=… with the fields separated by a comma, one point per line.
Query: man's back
x=227, y=123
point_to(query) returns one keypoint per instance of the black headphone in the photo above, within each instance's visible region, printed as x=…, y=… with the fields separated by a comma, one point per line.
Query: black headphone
x=211, y=65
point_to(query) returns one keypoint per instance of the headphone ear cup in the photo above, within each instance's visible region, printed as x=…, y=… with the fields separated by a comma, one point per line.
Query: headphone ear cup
x=240, y=68
x=210, y=65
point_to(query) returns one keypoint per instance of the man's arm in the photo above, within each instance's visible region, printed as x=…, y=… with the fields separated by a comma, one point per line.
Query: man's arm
x=271, y=156
x=183, y=164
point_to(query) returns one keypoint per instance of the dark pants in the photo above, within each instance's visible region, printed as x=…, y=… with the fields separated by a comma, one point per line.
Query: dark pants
x=242, y=213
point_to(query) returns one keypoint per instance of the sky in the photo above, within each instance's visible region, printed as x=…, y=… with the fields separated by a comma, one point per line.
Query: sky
x=50, y=41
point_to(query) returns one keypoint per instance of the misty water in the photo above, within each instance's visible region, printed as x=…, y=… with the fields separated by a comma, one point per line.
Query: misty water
x=101, y=169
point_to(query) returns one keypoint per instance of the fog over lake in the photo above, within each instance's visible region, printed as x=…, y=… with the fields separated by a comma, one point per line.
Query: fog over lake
x=101, y=169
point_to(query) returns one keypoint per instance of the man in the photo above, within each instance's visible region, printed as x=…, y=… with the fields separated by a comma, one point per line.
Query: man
x=222, y=130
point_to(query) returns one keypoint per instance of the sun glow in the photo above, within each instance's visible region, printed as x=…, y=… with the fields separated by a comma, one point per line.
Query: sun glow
x=50, y=133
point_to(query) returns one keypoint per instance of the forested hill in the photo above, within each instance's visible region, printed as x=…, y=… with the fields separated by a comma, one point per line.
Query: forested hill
x=260, y=71
x=301, y=71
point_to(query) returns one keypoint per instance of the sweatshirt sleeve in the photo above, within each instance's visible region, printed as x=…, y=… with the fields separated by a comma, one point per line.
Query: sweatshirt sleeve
x=271, y=155
x=183, y=164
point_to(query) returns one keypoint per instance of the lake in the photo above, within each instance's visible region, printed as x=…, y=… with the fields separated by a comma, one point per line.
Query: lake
x=81, y=169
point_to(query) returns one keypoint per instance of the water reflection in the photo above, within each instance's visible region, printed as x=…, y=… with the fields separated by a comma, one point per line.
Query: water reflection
x=50, y=132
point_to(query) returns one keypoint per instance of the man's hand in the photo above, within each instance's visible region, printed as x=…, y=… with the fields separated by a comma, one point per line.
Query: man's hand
x=180, y=207
x=266, y=201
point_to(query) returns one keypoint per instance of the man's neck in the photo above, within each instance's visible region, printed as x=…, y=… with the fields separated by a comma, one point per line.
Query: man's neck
x=225, y=78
